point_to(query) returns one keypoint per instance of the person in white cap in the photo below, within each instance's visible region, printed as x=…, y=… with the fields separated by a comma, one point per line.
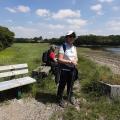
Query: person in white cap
x=67, y=59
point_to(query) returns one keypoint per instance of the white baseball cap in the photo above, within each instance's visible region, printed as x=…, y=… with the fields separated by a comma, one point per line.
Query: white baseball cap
x=70, y=32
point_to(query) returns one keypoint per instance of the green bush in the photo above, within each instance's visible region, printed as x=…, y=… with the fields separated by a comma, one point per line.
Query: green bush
x=6, y=37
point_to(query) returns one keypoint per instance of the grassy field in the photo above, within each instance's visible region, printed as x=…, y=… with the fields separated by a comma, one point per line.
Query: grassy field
x=93, y=105
x=23, y=53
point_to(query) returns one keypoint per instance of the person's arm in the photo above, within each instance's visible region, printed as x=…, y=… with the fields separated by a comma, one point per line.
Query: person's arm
x=62, y=60
x=76, y=58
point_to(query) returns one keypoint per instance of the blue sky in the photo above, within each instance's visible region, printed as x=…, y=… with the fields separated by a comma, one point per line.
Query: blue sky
x=53, y=18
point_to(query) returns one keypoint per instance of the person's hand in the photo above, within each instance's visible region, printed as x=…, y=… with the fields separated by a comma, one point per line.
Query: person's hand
x=74, y=62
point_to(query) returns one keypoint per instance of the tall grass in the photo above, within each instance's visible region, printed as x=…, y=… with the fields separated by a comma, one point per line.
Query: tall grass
x=23, y=53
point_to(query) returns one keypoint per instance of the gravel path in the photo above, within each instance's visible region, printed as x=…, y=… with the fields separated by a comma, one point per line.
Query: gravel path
x=32, y=109
x=27, y=109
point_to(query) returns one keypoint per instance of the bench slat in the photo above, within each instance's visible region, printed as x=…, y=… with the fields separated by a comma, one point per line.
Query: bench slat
x=11, y=73
x=9, y=67
x=16, y=83
x=26, y=80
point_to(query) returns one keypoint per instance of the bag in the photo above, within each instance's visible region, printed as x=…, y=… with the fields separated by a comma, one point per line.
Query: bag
x=45, y=57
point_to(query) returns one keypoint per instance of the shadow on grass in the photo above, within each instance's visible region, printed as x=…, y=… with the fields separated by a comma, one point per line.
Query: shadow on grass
x=46, y=97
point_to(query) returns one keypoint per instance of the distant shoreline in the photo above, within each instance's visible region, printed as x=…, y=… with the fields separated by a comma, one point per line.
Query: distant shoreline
x=107, y=58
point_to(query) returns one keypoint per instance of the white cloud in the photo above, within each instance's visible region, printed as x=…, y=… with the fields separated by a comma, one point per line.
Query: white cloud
x=22, y=8
x=108, y=1
x=58, y=26
x=77, y=23
x=42, y=12
x=66, y=13
x=97, y=8
x=21, y=31
x=11, y=10
x=114, y=25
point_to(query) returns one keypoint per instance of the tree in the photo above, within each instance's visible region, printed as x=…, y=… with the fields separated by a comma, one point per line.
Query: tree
x=6, y=37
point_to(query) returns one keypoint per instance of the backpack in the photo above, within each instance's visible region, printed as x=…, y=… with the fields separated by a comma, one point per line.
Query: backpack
x=45, y=57
x=64, y=47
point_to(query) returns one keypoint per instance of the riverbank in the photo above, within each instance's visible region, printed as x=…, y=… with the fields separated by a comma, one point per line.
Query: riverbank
x=105, y=58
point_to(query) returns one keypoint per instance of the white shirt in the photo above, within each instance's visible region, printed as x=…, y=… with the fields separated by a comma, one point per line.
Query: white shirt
x=70, y=52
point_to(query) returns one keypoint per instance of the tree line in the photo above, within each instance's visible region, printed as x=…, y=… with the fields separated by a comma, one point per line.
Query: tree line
x=6, y=37
x=90, y=40
x=29, y=40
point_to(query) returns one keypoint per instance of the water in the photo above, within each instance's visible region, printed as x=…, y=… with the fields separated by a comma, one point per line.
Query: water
x=114, y=50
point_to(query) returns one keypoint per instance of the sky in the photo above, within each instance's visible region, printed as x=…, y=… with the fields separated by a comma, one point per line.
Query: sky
x=53, y=18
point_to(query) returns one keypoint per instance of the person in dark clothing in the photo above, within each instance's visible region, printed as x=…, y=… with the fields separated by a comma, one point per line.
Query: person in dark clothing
x=67, y=61
x=54, y=62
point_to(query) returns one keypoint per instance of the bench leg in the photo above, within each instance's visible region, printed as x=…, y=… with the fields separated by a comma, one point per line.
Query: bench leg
x=1, y=96
x=18, y=93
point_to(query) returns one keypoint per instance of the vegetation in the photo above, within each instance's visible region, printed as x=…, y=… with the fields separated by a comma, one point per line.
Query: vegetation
x=90, y=40
x=6, y=37
x=93, y=105
x=29, y=40
x=93, y=40
x=83, y=40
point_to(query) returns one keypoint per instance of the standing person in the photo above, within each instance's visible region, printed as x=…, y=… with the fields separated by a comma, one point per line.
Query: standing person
x=67, y=59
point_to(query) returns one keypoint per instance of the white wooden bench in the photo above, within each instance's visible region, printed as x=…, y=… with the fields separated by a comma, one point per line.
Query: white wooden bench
x=13, y=71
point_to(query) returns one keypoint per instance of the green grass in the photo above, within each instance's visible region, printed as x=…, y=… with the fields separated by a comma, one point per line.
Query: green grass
x=23, y=53
x=92, y=109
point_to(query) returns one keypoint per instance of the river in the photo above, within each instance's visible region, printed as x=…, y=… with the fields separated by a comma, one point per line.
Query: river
x=114, y=50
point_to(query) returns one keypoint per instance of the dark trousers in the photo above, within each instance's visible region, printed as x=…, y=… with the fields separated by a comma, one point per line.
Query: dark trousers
x=65, y=78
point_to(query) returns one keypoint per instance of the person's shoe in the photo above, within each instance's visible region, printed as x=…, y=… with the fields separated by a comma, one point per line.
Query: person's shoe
x=72, y=100
x=62, y=104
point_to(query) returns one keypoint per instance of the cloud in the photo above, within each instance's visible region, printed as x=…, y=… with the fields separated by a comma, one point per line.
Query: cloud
x=58, y=26
x=78, y=23
x=108, y=1
x=97, y=8
x=21, y=31
x=20, y=8
x=42, y=12
x=11, y=10
x=114, y=25
x=66, y=13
